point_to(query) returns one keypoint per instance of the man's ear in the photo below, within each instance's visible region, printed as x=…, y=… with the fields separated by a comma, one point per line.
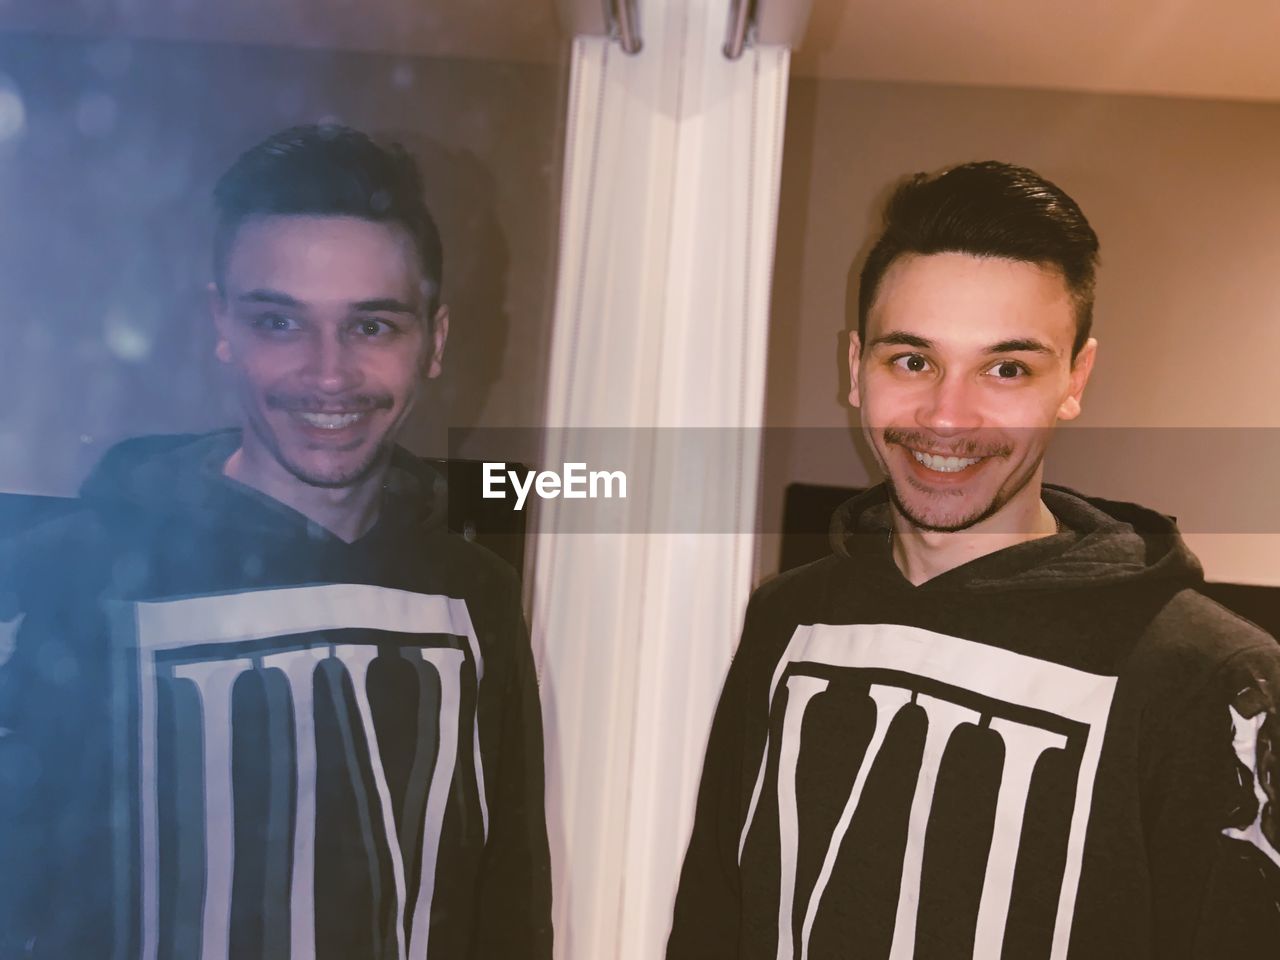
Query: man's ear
x=438, y=333
x=1081, y=367
x=855, y=354
x=221, y=322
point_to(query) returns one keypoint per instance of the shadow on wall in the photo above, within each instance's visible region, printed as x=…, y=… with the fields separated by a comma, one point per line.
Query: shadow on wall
x=460, y=192
x=852, y=289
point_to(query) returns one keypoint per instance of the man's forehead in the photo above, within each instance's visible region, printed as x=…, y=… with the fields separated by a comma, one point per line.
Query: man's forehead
x=971, y=301
x=324, y=259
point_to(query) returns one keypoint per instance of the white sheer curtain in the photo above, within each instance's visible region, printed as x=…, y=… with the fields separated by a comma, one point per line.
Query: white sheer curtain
x=670, y=202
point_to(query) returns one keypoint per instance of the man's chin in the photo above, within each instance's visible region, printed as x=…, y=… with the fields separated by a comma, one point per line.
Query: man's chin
x=332, y=473
x=935, y=517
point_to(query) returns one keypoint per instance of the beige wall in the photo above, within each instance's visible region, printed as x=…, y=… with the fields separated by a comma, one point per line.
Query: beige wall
x=104, y=241
x=1185, y=196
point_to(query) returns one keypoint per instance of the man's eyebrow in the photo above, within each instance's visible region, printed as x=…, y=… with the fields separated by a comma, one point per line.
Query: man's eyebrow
x=269, y=296
x=900, y=339
x=376, y=305
x=384, y=305
x=1021, y=345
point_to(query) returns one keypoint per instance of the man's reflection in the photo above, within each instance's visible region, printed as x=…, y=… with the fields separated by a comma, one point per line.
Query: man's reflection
x=261, y=703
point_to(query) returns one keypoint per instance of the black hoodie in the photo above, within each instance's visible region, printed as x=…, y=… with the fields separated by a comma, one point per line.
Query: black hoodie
x=1058, y=750
x=229, y=733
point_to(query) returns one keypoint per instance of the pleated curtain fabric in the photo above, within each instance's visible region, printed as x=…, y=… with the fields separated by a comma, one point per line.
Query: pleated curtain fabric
x=672, y=167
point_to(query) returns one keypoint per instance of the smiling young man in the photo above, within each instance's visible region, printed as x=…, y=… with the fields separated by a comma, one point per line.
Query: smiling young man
x=261, y=703
x=328, y=323
x=999, y=721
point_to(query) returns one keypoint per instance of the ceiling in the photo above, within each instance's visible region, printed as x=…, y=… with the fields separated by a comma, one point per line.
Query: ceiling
x=1189, y=48
x=1228, y=49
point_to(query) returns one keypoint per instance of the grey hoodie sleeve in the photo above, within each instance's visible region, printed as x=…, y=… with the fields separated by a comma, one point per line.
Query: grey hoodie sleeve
x=24, y=789
x=52, y=829
x=1242, y=908
x=708, y=908
x=514, y=915
x=1214, y=824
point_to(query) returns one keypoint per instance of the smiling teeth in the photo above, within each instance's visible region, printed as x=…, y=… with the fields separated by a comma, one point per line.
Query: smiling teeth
x=330, y=421
x=944, y=464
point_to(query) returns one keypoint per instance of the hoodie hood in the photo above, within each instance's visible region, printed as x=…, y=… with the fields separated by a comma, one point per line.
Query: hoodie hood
x=173, y=477
x=1104, y=543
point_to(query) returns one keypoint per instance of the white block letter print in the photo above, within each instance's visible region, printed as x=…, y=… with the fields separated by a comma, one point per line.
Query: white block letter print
x=903, y=662
x=265, y=627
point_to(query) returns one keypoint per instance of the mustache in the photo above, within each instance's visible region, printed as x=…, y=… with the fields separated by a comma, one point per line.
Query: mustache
x=314, y=403
x=967, y=448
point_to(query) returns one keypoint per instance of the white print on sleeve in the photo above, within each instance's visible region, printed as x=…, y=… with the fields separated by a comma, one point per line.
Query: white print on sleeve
x=9, y=637
x=1246, y=732
x=982, y=674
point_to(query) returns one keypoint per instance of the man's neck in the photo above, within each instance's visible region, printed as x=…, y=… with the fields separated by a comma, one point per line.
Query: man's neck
x=347, y=512
x=922, y=555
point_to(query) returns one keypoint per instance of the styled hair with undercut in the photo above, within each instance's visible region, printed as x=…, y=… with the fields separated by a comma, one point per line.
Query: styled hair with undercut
x=327, y=170
x=987, y=209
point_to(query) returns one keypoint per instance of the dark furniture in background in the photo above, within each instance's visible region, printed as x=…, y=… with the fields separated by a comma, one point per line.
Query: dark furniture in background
x=18, y=511
x=494, y=524
x=1259, y=604
x=806, y=520
x=806, y=517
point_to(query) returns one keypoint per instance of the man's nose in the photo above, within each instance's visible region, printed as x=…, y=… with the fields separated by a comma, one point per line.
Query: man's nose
x=331, y=364
x=950, y=407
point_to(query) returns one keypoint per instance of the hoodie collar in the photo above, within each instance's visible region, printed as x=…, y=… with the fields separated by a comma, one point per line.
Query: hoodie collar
x=1106, y=543
x=177, y=476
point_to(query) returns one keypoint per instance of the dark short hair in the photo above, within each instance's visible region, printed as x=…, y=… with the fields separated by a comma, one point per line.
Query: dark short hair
x=987, y=209
x=327, y=170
